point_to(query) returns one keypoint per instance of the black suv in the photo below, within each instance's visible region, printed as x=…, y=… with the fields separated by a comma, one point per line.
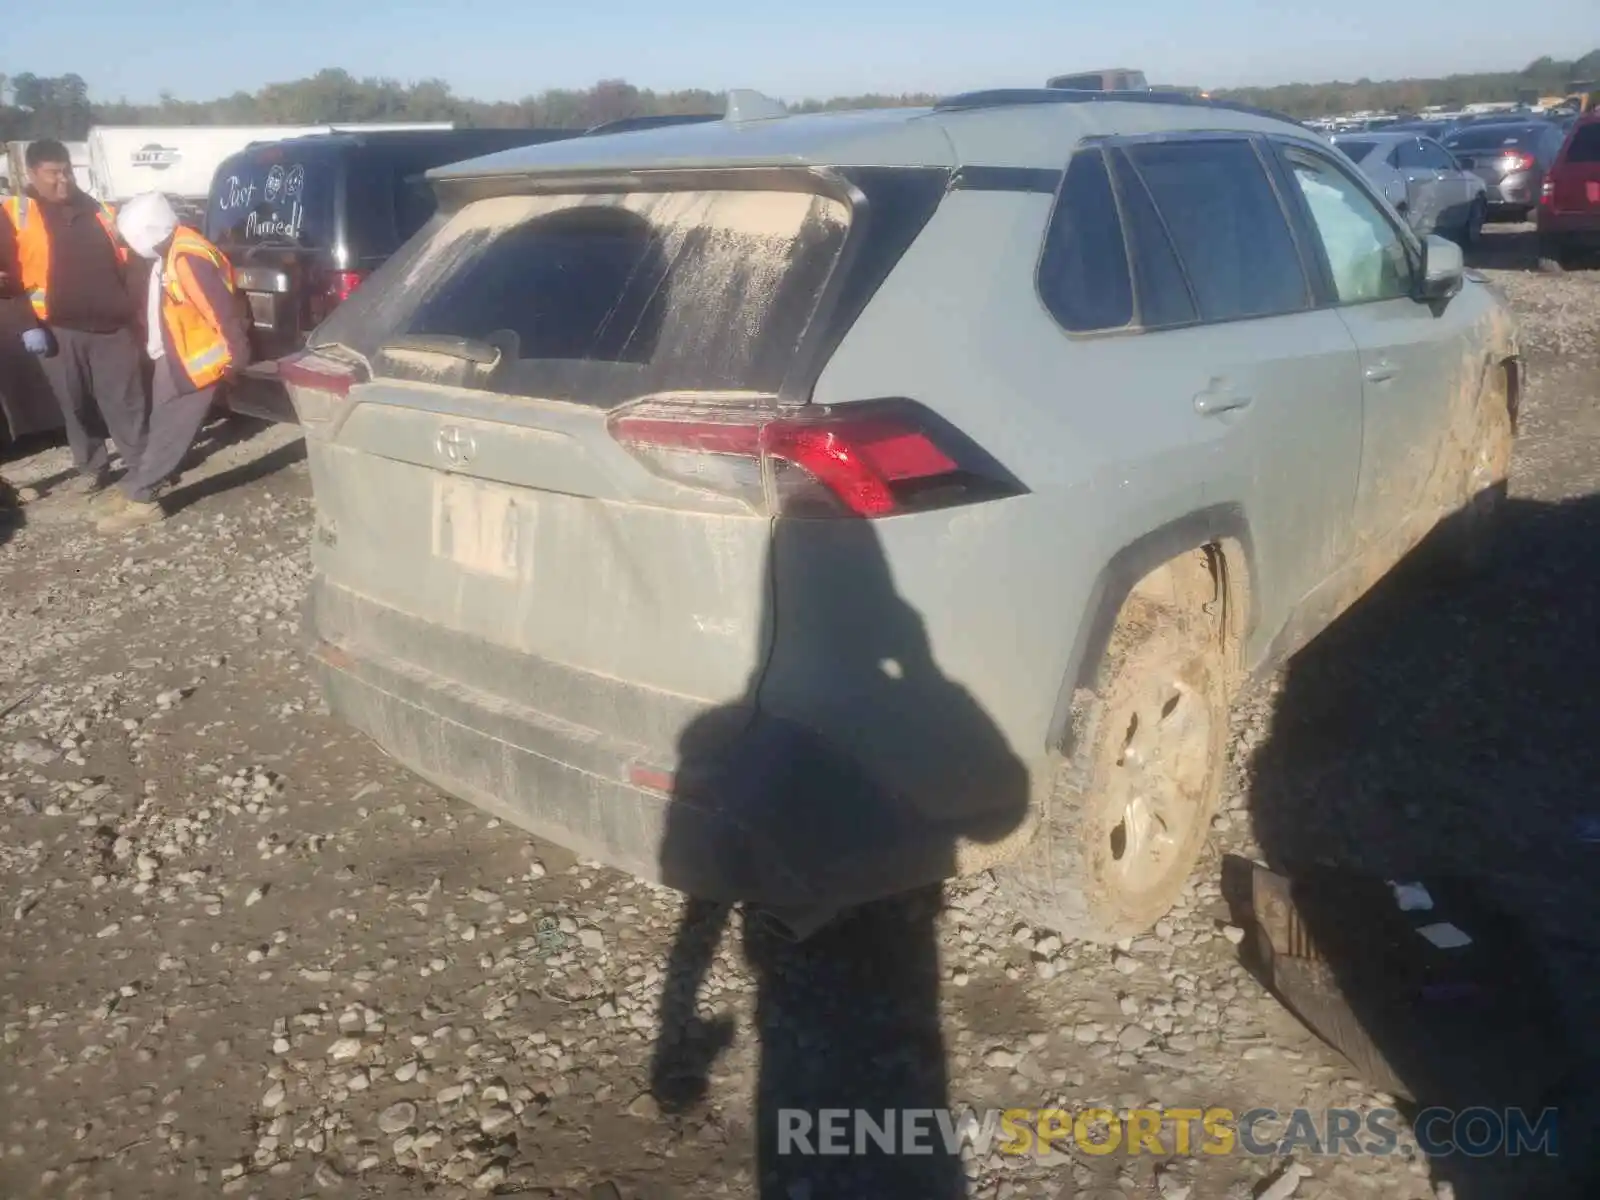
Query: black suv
x=305, y=220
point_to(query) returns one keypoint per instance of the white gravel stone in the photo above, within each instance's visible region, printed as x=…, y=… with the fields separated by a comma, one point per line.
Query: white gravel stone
x=398, y=1117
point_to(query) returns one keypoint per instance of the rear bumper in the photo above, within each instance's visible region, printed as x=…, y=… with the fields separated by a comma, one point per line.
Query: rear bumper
x=756, y=809
x=1582, y=226
x=1512, y=192
x=257, y=392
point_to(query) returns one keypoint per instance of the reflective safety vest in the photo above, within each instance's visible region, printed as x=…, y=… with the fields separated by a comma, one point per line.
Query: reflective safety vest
x=33, y=246
x=194, y=331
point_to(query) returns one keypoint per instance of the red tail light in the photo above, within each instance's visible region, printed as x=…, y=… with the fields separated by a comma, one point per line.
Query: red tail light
x=865, y=460
x=317, y=386
x=1547, y=190
x=331, y=289
x=1516, y=160
x=316, y=373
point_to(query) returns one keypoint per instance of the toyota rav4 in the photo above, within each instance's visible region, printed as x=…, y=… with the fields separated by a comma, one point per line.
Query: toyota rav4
x=803, y=509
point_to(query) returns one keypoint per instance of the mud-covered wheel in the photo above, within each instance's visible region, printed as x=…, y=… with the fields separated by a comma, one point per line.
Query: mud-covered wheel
x=1468, y=536
x=1127, y=814
x=1554, y=254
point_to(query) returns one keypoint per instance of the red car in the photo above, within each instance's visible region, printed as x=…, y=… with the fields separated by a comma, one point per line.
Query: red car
x=1569, y=204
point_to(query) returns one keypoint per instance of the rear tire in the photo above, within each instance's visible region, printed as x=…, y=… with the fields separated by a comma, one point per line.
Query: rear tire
x=1472, y=230
x=1127, y=814
x=1554, y=254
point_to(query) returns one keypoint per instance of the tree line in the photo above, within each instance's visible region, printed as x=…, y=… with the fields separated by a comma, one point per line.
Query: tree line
x=34, y=106
x=1543, y=77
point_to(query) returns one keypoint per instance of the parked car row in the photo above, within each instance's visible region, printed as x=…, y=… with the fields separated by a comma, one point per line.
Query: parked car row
x=1426, y=185
x=1498, y=168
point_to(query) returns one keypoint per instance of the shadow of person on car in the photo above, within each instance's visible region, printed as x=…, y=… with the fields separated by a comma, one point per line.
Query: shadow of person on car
x=1447, y=735
x=764, y=806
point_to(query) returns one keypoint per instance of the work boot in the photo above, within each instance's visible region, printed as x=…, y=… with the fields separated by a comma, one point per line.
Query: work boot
x=12, y=496
x=130, y=514
x=106, y=501
x=87, y=484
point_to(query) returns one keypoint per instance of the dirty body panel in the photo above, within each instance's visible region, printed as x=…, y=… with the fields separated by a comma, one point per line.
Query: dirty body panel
x=767, y=577
x=550, y=618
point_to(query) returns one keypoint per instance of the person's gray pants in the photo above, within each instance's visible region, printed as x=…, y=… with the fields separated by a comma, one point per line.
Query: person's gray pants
x=175, y=418
x=98, y=382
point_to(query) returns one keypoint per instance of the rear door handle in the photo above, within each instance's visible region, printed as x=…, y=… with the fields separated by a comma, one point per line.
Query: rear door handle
x=1216, y=400
x=1381, y=372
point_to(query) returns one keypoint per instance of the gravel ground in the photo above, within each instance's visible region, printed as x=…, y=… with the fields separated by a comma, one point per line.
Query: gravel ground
x=243, y=952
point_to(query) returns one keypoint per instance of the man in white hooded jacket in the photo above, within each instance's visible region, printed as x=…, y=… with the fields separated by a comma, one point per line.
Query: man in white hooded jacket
x=195, y=337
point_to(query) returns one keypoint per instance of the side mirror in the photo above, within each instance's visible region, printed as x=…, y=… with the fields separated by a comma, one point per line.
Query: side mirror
x=1443, y=269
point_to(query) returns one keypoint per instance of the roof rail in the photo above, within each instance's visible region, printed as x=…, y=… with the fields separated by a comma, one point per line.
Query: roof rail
x=629, y=124
x=1005, y=97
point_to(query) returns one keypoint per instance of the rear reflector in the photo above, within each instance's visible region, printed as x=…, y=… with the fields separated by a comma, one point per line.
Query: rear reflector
x=316, y=373
x=873, y=459
x=318, y=387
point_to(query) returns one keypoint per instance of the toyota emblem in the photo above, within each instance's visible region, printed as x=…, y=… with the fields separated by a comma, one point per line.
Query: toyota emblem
x=455, y=445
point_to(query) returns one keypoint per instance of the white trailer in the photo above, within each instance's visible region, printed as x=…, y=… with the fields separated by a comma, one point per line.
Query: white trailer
x=179, y=160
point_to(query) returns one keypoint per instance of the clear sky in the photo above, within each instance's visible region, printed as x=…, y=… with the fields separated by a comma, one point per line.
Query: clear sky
x=500, y=49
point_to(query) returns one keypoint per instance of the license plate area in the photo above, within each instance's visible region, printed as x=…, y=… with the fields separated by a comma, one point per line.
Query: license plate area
x=477, y=526
x=263, y=309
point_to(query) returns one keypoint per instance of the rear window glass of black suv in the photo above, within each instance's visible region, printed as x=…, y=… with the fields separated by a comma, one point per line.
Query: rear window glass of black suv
x=602, y=298
x=277, y=196
x=1197, y=224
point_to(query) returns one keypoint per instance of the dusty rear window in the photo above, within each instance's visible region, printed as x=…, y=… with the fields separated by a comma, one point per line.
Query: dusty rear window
x=602, y=298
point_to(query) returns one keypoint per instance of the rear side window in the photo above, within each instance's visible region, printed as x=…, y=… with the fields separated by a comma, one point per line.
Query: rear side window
x=1436, y=156
x=1227, y=226
x=387, y=198
x=1585, y=147
x=599, y=299
x=1165, y=298
x=1083, y=273
x=1409, y=154
x=1195, y=227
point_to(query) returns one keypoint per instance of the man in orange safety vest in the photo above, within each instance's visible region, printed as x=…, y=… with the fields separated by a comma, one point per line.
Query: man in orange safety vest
x=62, y=273
x=196, y=339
